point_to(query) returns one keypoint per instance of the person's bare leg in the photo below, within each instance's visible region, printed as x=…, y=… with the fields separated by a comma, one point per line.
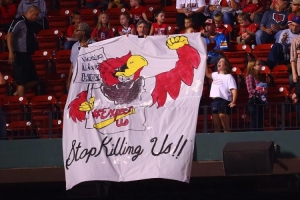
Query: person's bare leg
x=20, y=91
x=225, y=121
x=216, y=122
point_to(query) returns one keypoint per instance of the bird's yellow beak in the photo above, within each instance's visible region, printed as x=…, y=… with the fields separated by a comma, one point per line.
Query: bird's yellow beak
x=134, y=63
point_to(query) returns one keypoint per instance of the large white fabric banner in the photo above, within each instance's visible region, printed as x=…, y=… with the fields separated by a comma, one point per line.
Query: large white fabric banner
x=132, y=109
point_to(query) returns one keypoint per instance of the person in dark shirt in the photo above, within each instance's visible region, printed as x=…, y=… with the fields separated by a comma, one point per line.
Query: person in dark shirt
x=21, y=44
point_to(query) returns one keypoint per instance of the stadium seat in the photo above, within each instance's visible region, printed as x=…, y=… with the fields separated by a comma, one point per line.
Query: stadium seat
x=238, y=76
x=61, y=102
x=49, y=128
x=156, y=3
x=170, y=14
x=67, y=4
x=15, y=108
x=42, y=60
x=6, y=68
x=20, y=130
x=42, y=107
x=114, y=15
x=59, y=20
x=237, y=54
x=54, y=84
x=261, y=51
x=280, y=75
x=150, y=10
x=49, y=39
x=90, y=16
x=62, y=61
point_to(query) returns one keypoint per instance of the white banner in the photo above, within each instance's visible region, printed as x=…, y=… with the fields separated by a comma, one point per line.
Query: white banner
x=132, y=109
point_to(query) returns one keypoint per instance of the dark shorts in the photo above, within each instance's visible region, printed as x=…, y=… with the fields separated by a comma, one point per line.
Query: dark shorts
x=24, y=69
x=219, y=105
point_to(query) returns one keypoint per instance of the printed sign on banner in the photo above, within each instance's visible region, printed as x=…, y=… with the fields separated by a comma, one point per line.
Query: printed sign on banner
x=132, y=109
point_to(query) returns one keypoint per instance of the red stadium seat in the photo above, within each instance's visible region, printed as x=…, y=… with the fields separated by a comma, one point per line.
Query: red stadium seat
x=90, y=16
x=281, y=76
x=54, y=84
x=261, y=51
x=49, y=39
x=49, y=129
x=42, y=106
x=5, y=68
x=67, y=4
x=59, y=20
x=20, y=130
x=114, y=15
x=62, y=61
x=42, y=60
x=170, y=14
x=156, y=3
x=15, y=108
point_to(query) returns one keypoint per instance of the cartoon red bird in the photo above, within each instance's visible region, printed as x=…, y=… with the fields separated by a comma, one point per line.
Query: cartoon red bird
x=122, y=83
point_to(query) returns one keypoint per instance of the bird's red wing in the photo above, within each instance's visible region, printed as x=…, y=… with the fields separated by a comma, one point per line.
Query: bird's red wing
x=74, y=112
x=170, y=82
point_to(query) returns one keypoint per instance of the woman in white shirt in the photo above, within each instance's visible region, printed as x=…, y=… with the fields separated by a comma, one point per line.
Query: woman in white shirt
x=224, y=93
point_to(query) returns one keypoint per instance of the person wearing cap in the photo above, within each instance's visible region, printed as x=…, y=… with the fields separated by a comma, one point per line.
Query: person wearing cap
x=211, y=36
x=295, y=10
x=193, y=9
x=283, y=44
x=272, y=23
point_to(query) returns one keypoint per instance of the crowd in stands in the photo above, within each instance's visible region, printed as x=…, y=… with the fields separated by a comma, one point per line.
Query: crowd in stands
x=222, y=23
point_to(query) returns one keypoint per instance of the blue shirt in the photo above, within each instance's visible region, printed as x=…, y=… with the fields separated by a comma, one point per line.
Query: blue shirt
x=221, y=43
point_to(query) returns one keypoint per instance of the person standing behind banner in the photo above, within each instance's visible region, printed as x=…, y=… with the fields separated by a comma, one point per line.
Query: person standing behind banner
x=159, y=27
x=83, y=35
x=142, y=29
x=224, y=93
x=256, y=109
x=21, y=43
x=193, y=9
x=2, y=116
x=103, y=30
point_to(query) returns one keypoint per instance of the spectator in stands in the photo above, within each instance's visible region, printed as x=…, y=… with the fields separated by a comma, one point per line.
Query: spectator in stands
x=272, y=23
x=101, y=4
x=188, y=26
x=159, y=27
x=25, y=4
x=118, y=4
x=2, y=116
x=255, y=8
x=103, y=30
x=21, y=44
x=137, y=11
x=8, y=11
x=295, y=8
x=83, y=35
x=255, y=107
x=227, y=7
x=219, y=23
x=295, y=59
x=76, y=19
x=193, y=9
x=211, y=36
x=126, y=27
x=224, y=93
x=280, y=51
x=247, y=29
x=142, y=28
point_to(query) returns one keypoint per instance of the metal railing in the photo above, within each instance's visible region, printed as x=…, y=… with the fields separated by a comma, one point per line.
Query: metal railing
x=48, y=124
